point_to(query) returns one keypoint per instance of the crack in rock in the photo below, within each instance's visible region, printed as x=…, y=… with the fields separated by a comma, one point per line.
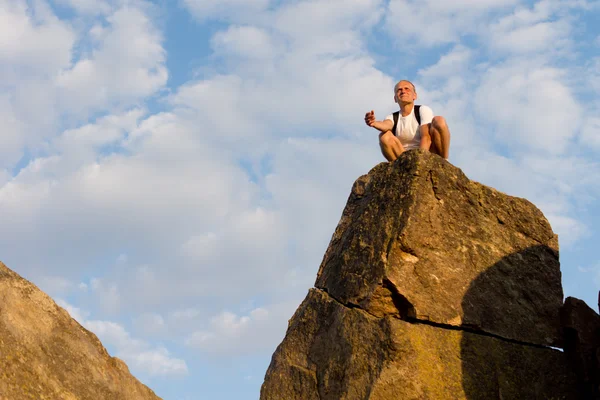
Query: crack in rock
x=406, y=313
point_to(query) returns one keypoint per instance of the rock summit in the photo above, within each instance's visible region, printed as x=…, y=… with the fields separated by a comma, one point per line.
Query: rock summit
x=433, y=287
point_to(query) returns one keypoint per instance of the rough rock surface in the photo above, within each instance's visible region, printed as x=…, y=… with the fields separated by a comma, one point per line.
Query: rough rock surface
x=582, y=345
x=418, y=238
x=45, y=354
x=433, y=287
x=332, y=352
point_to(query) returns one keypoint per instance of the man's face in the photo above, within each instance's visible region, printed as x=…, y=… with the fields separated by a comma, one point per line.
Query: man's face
x=404, y=93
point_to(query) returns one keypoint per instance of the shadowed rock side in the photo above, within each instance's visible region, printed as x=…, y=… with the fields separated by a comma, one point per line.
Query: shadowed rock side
x=433, y=287
x=582, y=345
x=484, y=373
x=45, y=354
x=419, y=229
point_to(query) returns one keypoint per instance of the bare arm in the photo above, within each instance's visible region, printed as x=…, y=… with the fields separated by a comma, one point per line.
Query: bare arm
x=383, y=126
x=425, y=137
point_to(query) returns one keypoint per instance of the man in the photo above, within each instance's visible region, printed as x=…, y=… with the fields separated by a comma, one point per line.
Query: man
x=432, y=134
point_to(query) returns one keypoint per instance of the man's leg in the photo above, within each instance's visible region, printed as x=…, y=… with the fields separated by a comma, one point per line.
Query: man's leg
x=440, y=137
x=390, y=145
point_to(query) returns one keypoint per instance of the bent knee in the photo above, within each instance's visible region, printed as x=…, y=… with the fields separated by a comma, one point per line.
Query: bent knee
x=386, y=138
x=439, y=122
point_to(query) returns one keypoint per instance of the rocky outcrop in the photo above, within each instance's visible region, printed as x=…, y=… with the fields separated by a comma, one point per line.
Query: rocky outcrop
x=433, y=286
x=45, y=354
x=420, y=233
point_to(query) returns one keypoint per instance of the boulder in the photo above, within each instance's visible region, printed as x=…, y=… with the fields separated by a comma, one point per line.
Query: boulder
x=46, y=354
x=432, y=287
x=419, y=240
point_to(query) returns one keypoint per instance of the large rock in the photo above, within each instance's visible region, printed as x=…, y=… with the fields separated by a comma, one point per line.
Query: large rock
x=45, y=354
x=433, y=287
x=332, y=352
x=418, y=240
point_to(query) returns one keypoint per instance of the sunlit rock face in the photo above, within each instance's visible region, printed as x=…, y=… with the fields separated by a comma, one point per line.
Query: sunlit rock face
x=45, y=354
x=433, y=287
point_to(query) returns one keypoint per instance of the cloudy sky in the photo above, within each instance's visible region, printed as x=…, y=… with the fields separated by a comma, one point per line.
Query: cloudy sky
x=171, y=171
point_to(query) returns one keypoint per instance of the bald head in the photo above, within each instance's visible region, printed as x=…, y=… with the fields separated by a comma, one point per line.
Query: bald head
x=405, y=81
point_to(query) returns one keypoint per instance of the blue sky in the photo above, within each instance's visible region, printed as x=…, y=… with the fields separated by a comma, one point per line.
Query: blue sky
x=172, y=172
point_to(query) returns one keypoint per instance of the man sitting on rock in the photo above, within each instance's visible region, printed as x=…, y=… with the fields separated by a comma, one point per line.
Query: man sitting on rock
x=412, y=127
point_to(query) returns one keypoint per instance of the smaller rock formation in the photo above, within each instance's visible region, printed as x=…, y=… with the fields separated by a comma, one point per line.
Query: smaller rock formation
x=46, y=354
x=582, y=345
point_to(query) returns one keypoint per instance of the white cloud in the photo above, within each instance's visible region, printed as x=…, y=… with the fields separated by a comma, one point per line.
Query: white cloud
x=591, y=76
x=533, y=106
x=452, y=63
x=247, y=41
x=302, y=21
x=202, y=247
x=229, y=333
x=555, y=191
x=258, y=238
x=590, y=133
x=117, y=72
x=156, y=362
x=55, y=284
x=330, y=94
x=139, y=355
x=569, y=230
x=156, y=193
x=226, y=9
x=88, y=7
x=13, y=131
x=323, y=172
x=107, y=294
x=185, y=314
x=326, y=76
x=539, y=37
x=34, y=46
x=52, y=73
x=532, y=30
x=223, y=104
x=32, y=38
x=80, y=145
x=459, y=5
x=181, y=321
x=150, y=324
x=433, y=22
x=76, y=313
x=541, y=26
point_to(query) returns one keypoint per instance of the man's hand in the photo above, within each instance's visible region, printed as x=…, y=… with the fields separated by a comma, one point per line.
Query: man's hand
x=370, y=118
x=382, y=126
